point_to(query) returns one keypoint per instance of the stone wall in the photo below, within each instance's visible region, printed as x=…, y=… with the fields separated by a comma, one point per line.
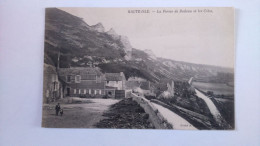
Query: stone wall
x=155, y=116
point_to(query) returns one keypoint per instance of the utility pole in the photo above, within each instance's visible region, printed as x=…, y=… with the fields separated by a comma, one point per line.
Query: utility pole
x=58, y=63
x=59, y=47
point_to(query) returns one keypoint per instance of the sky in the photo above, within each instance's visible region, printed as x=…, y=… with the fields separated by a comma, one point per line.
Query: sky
x=195, y=35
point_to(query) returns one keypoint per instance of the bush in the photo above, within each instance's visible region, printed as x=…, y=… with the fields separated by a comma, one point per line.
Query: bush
x=105, y=97
x=150, y=97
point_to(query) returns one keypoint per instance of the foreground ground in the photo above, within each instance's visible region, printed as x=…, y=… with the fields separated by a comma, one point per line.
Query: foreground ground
x=126, y=114
x=78, y=113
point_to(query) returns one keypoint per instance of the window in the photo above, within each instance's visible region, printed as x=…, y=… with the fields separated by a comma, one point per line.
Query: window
x=77, y=79
x=98, y=79
x=79, y=91
x=75, y=91
x=89, y=91
x=85, y=91
x=68, y=78
x=54, y=77
x=47, y=93
x=68, y=91
x=82, y=91
x=55, y=86
x=100, y=92
x=95, y=91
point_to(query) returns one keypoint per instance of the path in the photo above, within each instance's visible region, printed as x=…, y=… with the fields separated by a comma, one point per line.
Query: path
x=190, y=80
x=82, y=115
x=213, y=109
x=174, y=119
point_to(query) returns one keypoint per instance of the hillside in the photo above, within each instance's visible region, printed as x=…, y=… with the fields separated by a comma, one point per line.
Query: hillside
x=78, y=43
x=76, y=39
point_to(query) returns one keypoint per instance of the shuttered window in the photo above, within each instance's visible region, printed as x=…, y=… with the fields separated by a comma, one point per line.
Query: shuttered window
x=47, y=93
x=68, y=78
x=77, y=79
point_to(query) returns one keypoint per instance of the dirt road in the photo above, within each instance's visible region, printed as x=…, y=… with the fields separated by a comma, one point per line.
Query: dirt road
x=81, y=115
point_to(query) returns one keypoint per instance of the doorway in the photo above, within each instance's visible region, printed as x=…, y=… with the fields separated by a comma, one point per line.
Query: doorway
x=68, y=91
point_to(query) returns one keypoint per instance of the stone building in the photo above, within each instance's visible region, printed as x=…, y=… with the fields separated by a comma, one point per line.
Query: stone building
x=91, y=82
x=52, y=89
x=115, y=83
x=166, y=88
x=82, y=81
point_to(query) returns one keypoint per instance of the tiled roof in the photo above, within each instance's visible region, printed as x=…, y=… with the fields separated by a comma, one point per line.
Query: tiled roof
x=165, y=81
x=49, y=69
x=86, y=73
x=109, y=87
x=132, y=84
x=88, y=85
x=88, y=77
x=163, y=87
x=79, y=71
x=163, y=84
x=145, y=85
x=113, y=77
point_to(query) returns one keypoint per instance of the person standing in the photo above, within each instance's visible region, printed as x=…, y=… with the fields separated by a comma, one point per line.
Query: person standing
x=61, y=112
x=57, y=108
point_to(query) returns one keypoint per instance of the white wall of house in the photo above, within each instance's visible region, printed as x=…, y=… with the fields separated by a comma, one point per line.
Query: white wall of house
x=136, y=79
x=117, y=84
x=51, y=85
x=171, y=88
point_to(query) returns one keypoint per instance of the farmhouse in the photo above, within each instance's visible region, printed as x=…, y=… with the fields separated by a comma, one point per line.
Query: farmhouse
x=139, y=85
x=166, y=88
x=146, y=87
x=115, y=84
x=91, y=82
x=81, y=81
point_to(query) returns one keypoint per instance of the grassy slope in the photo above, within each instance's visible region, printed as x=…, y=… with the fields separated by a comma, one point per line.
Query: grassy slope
x=128, y=69
x=74, y=38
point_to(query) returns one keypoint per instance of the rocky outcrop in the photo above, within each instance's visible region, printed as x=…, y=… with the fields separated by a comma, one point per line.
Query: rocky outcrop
x=150, y=54
x=127, y=47
x=125, y=42
x=113, y=34
x=98, y=27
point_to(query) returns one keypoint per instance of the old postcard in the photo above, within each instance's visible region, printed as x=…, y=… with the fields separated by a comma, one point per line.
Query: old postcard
x=139, y=68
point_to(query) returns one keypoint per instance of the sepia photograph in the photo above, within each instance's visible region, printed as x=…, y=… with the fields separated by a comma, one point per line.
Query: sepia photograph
x=139, y=68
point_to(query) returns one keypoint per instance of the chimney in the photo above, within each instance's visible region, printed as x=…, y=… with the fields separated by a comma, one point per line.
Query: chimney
x=121, y=74
x=58, y=63
x=89, y=64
